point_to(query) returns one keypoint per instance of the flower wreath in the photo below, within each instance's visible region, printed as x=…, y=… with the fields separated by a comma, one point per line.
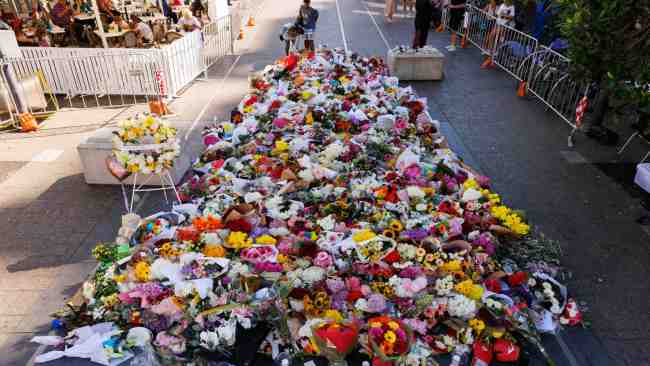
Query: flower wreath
x=145, y=144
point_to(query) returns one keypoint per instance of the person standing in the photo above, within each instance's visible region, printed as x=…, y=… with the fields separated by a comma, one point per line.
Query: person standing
x=423, y=18
x=389, y=10
x=307, y=18
x=456, y=16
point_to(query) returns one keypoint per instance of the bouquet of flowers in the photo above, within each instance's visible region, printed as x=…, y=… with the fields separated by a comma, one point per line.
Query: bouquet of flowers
x=389, y=339
x=145, y=144
x=335, y=340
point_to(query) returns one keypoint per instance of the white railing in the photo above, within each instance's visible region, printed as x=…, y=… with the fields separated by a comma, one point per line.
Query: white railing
x=128, y=72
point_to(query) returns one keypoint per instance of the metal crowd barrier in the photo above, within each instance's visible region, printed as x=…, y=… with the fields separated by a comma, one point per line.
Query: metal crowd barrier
x=541, y=72
x=217, y=40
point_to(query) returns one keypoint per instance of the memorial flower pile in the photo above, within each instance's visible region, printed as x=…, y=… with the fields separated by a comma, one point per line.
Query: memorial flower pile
x=145, y=144
x=327, y=218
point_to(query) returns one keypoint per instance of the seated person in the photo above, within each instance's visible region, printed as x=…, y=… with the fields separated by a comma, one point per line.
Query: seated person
x=119, y=23
x=43, y=38
x=142, y=30
x=62, y=16
x=106, y=7
x=188, y=22
x=11, y=19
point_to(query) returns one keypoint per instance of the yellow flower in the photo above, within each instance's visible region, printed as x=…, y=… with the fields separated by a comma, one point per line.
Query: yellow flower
x=142, y=271
x=476, y=292
x=238, y=240
x=282, y=258
x=333, y=315
x=451, y=266
x=248, y=108
x=390, y=337
x=110, y=300
x=375, y=325
x=396, y=225
x=306, y=95
x=363, y=235
x=478, y=325
x=309, y=118
x=470, y=183
x=498, y=332
x=500, y=212
x=214, y=250
x=266, y=240
x=464, y=287
x=393, y=325
x=281, y=146
x=119, y=278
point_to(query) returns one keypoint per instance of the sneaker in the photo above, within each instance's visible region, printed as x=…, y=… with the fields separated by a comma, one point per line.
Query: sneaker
x=451, y=48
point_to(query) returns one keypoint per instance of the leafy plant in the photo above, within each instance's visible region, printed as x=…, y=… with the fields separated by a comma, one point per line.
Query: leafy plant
x=610, y=45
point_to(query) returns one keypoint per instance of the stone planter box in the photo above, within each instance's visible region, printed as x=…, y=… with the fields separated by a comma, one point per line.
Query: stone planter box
x=416, y=65
x=95, y=149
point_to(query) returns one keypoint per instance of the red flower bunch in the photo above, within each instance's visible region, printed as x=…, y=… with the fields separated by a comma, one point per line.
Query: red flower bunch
x=517, y=278
x=239, y=225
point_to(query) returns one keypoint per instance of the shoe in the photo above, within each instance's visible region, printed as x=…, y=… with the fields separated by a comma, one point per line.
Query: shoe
x=451, y=48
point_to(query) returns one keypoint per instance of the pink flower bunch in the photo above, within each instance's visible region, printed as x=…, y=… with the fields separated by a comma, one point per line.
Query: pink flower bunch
x=268, y=267
x=323, y=260
x=258, y=254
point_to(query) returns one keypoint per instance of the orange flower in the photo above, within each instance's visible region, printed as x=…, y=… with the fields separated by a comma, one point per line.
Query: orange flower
x=200, y=223
x=214, y=223
x=215, y=250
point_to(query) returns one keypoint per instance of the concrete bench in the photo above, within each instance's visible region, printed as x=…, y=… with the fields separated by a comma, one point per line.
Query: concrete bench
x=95, y=149
x=411, y=65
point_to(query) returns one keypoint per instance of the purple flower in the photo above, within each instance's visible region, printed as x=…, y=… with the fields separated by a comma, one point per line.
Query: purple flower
x=376, y=303
x=416, y=234
x=483, y=181
x=411, y=272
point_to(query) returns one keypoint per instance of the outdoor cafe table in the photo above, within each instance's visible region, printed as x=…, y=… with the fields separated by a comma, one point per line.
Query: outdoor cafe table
x=112, y=37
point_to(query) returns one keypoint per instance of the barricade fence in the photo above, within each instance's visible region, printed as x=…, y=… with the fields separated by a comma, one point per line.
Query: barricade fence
x=541, y=72
x=93, y=77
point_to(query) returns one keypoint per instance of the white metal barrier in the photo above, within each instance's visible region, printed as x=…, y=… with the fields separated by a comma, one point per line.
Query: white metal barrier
x=542, y=71
x=86, y=75
x=217, y=40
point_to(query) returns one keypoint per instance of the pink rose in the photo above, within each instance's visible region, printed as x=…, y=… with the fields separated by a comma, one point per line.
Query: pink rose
x=365, y=290
x=353, y=283
x=210, y=140
x=280, y=122
x=323, y=260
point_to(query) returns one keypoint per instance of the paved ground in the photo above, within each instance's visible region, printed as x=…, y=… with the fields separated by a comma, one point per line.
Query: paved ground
x=53, y=218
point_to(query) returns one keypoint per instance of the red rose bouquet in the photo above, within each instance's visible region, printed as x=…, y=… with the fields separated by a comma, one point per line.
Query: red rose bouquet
x=336, y=340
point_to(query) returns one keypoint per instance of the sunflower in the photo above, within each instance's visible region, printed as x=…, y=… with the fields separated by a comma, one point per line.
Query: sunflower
x=389, y=234
x=396, y=225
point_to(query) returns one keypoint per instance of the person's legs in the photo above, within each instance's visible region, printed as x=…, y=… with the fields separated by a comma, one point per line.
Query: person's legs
x=287, y=46
x=424, y=34
x=416, y=38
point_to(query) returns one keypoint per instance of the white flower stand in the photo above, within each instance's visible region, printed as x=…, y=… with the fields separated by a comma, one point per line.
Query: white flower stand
x=164, y=180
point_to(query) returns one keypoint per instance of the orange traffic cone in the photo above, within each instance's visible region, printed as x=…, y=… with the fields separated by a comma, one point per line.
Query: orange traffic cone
x=521, y=90
x=487, y=63
x=27, y=122
x=463, y=42
x=251, y=21
x=241, y=34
